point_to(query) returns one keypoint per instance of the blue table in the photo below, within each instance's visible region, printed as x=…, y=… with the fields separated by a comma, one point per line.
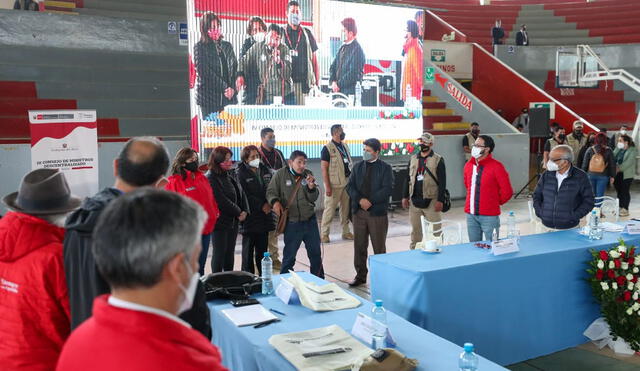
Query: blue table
x=246, y=348
x=512, y=307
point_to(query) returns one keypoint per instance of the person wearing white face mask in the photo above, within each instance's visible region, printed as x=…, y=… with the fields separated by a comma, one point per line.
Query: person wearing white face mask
x=488, y=187
x=253, y=178
x=256, y=33
x=146, y=245
x=625, y=156
x=563, y=194
x=613, y=141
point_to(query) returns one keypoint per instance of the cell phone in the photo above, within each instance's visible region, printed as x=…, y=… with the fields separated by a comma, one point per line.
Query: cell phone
x=244, y=302
x=380, y=355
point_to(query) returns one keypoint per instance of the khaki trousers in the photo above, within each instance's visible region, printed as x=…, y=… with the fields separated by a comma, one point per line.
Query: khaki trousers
x=339, y=198
x=364, y=226
x=298, y=92
x=273, y=246
x=416, y=226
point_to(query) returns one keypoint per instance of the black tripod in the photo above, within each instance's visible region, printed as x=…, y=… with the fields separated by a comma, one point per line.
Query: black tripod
x=538, y=168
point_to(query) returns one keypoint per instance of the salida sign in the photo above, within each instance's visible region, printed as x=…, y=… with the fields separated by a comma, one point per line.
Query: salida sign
x=455, y=92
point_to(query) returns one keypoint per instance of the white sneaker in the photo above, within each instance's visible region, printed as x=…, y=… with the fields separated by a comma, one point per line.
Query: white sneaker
x=624, y=212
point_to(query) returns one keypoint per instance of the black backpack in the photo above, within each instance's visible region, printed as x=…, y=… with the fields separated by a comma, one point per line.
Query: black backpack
x=231, y=285
x=446, y=205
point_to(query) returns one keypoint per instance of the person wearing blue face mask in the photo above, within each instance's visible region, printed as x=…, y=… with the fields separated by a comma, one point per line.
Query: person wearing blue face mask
x=370, y=187
x=302, y=48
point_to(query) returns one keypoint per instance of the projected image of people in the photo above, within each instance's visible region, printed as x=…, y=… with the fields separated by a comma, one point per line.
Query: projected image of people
x=216, y=66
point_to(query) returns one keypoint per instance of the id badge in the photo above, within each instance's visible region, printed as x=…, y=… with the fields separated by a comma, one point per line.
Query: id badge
x=420, y=178
x=288, y=183
x=346, y=160
x=293, y=53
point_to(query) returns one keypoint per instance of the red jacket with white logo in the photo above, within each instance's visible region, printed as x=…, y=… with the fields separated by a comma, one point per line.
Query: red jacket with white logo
x=198, y=189
x=124, y=339
x=34, y=303
x=487, y=185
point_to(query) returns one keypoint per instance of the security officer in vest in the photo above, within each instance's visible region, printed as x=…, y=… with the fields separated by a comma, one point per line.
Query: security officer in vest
x=559, y=137
x=469, y=139
x=425, y=186
x=576, y=140
x=336, y=167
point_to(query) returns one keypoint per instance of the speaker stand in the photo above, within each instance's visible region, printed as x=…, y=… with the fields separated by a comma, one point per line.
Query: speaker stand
x=538, y=173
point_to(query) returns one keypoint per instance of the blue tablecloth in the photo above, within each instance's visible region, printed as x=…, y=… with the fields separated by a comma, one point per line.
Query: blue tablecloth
x=246, y=348
x=512, y=307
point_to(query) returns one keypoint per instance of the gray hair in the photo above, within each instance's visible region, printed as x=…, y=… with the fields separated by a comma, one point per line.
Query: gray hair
x=139, y=232
x=567, y=152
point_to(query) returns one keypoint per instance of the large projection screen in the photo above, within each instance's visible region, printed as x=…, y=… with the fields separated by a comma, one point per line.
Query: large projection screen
x=354, y=64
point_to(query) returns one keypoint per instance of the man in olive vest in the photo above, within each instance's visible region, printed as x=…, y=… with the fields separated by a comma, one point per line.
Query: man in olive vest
x=469, y=139
x=424, y=188
x=576, y=140
x=336, y=168
x=559, y=137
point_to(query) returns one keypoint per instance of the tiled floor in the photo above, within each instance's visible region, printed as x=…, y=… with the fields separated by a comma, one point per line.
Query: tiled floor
x=338, y=265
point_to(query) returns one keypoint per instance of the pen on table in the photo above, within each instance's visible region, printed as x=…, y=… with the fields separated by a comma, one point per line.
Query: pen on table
x=266, y=323
x=277, y=312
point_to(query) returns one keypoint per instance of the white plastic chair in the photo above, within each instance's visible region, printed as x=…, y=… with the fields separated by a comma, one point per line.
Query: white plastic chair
x=450, y=231
x=535, y=222
x=610, y=207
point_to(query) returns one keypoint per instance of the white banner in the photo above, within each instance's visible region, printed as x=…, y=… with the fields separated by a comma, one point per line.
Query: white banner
x=67, y=140
x=456, y=59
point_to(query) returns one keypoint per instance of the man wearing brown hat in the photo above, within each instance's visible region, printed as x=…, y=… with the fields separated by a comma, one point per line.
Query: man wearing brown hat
x=33, y=293
x=143, y=162
x=424, y=189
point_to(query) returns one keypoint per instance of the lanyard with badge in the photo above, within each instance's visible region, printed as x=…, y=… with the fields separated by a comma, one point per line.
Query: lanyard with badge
x=294, y=50
x=421, y=166
x=343, y=153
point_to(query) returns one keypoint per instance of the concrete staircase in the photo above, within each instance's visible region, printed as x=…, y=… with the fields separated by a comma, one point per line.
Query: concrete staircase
x=438, y=119
x=163, y=10
x=546, y=28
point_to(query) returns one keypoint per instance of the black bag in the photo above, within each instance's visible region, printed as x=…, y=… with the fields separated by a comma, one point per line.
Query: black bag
x=446, y=205
x=231, y=285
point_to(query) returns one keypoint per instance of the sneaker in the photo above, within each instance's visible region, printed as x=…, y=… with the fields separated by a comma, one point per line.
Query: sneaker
x=347, y=236
x=324, y=239
x=624, y=212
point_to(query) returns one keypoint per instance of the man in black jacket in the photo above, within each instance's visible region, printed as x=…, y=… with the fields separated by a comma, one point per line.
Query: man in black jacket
x=143, y=161
x=563, y=194
x=522, y=37
x=348, y=66
x=370, y=187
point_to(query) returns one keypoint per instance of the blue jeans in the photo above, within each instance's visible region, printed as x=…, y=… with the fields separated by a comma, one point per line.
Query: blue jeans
x=479, y=224
x=599, y=185
x=206, y=241
x=294, y=235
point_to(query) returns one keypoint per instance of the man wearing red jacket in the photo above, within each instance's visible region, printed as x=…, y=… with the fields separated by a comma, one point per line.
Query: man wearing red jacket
x=488, y=187
x=146, y=245
x=34, y=303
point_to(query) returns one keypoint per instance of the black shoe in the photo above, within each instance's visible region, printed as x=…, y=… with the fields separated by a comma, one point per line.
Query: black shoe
x=357, y=282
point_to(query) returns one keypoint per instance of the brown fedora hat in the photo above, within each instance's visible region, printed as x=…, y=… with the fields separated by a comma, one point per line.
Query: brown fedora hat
x=43, y=192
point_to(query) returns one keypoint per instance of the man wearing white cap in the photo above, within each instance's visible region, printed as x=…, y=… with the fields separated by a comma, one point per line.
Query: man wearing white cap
x=424, y=190
x=576, y=140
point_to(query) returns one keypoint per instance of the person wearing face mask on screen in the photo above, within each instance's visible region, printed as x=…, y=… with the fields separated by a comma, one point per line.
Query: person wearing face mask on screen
x=271, y=61
x=488, y=187
x=152, y=270
x=256, y=32
x=254, y=177
x=370, y=187
x=302, y=49
x=563, y=194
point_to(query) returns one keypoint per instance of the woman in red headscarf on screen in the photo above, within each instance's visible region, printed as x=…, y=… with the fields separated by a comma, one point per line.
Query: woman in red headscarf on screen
x=412, y=64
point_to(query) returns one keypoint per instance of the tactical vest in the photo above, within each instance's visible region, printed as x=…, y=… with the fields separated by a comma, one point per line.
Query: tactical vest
x=336, y=165
x=429, y=186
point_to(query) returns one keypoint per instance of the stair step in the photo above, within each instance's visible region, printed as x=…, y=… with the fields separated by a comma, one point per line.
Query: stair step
x=448, y=132
x=451, y=126
x=438, y=112
x=20, y=106
x=434, y=105
x=430, y=99
x=59, y=4
x=431, y=119
x=54, y=11
x=17, y=89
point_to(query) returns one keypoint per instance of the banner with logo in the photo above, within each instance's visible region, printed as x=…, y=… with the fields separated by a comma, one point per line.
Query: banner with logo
x=67, y=140
x=456, y=59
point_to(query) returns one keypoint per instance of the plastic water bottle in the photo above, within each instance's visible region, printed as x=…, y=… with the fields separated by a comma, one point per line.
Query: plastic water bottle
x=593, y=226
x=512, y=230
x=494, y=235
x=379, y=314
x=407, y=96
x=267, y=281
x=358, y=94
x=468, y=360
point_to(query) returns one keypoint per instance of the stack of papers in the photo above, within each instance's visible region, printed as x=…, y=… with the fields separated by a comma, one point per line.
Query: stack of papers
x=322, y=298
x=248, y=315
x=611, y=227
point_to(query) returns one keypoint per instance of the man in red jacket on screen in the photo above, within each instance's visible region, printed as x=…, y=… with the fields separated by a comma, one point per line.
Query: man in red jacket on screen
x=146, y=246
x=488, y=187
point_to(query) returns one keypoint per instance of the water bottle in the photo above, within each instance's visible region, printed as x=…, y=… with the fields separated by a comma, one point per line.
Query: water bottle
x=512, y=230
x=358, y=94
x=494, y=235
x=267, y=281
x=379, y=314
x=407, y=96
x=593, y=226
x=468, y=360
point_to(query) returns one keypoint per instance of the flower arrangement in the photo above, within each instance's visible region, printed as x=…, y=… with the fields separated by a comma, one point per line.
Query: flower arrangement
x=397, y=149
x=402, y=114
x=613, y=276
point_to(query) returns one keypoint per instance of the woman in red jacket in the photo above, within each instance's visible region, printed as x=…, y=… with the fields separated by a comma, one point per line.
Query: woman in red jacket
x=188, y=180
